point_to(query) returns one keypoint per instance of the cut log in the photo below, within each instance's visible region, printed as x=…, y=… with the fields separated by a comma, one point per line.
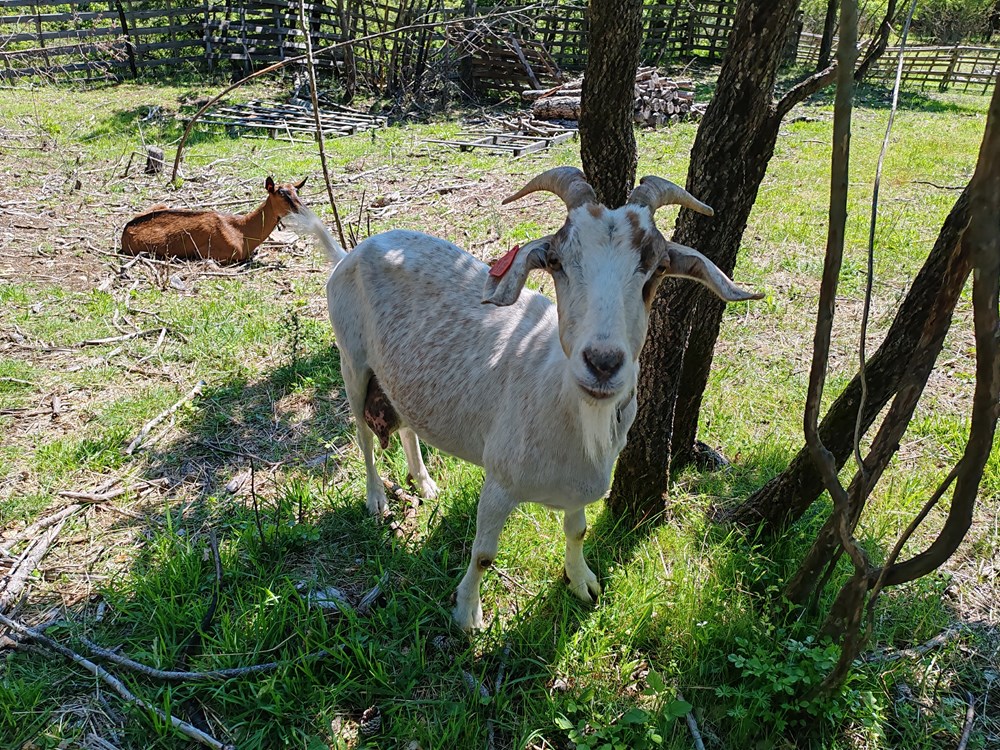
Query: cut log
x=557, y=108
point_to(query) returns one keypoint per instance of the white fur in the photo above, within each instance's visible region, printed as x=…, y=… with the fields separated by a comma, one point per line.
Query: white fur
x=507, y=385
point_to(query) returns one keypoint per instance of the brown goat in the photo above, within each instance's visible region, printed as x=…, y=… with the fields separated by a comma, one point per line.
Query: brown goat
x=179, y=233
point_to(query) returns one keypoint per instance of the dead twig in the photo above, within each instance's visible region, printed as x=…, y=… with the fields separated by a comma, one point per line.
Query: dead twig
x=365, y=605
x=320, y=140
x=970, y=715
x=941, y=639
x=185, y=676
x=16, y=579
x=699, y=743
x=434, y=25
x=114, y=683
x=146, y=428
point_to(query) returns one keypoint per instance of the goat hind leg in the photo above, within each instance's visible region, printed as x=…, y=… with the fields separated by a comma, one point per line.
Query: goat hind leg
x=495, y=505
x=374, y=490
x=582, y=581
x=415, y=464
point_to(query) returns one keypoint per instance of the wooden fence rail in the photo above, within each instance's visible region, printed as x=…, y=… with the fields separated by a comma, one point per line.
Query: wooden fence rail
x=115, y=38
x=959, y=67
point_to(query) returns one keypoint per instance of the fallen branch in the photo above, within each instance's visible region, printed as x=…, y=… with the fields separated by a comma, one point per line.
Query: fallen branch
x=317, y=114
x=365, y=605
x=93, y=497
x=699, y=743
x=114, y=683
x=185, y=676
x=436, y=26
x=18, y=576
x=942, y=638
x=970, y=715
x=115, y=339
x=146, y=428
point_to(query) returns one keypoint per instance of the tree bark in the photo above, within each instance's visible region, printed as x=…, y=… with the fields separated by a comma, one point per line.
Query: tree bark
x=829, y=28
x=727, y=166
x=607, y=138
x=937, y=286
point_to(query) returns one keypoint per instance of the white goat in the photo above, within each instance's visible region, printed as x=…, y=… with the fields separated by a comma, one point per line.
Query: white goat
x=541, y=395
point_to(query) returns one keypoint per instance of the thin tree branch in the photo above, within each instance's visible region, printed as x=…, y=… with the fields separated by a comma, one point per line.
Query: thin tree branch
x=185, y=676
x=824, y=460
x=137, y=440
x=314, y=94
x=863, y=336
x=114, y=683
x=329, y=49
x=18, y=576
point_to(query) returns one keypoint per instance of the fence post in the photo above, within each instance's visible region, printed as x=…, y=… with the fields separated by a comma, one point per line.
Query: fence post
x=129, y=46
x=951, y=69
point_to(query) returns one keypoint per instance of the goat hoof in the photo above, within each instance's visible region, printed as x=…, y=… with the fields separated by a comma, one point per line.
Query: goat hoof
x=469, y=618
x=378, y=506
x=427, y=488
x=584, y=587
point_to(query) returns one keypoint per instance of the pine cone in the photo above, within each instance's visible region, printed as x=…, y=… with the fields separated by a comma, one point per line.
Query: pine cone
x=371, y=722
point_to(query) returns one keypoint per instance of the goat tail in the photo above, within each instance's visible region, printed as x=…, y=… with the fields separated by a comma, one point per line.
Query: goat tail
x=330, y=245
x=306, y=221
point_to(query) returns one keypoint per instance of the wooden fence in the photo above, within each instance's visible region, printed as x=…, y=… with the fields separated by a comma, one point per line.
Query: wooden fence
x=122, y=38
x=959, y=67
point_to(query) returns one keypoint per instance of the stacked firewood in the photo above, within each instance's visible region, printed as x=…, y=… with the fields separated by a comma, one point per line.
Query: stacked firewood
x=658, y=100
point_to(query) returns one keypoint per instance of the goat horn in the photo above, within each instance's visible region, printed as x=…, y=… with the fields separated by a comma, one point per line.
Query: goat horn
x=654, y=192
x=569, y=183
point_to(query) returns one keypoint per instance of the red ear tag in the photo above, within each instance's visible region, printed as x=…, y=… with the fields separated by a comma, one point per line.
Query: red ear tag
x=498, y=269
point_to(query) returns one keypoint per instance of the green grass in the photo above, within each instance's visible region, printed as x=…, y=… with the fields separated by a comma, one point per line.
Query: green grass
x=687, y=605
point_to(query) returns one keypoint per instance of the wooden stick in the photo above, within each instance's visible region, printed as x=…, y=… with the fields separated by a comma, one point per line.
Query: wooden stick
x=311, y=68
x=970, y=715
x=332, y=48
x=137, y=440
x=93, y=497
x=32, y=556
x=114, y=683
x=183, y=676
x=936, y=642
x=368, y=599
x=699, y=743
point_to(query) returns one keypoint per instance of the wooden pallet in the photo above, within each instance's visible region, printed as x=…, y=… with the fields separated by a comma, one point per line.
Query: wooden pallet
x=514, y=144
x=291, y=119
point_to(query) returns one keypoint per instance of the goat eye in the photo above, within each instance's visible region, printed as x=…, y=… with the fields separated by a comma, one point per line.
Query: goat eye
x=552, y=263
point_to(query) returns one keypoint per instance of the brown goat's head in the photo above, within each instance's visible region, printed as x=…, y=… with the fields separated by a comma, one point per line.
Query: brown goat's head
x=284, y=199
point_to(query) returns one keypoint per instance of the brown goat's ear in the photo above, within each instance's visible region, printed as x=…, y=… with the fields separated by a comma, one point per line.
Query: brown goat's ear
x=269, y=184
x=300, y=183
x=505, y=288
x=688, y=263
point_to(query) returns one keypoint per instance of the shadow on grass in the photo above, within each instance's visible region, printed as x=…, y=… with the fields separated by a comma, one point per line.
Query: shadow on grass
x=294, y=546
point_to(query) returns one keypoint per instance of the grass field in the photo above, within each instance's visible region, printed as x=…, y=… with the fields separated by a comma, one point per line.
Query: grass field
x=264, y=461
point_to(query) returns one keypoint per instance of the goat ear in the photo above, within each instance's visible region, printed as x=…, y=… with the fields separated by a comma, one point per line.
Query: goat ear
x=298, y=185
x=269, y=184
x=688, y=263
x=505, y=289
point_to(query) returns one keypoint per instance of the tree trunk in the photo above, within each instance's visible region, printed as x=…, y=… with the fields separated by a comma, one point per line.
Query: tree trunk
x=727, y=167
x=937, y=286
x=829, y=28
x=607, y=138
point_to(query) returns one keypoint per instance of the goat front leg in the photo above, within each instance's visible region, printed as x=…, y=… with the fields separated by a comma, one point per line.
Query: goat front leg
x=495, y=505
x=582, y=581
x=415, y=464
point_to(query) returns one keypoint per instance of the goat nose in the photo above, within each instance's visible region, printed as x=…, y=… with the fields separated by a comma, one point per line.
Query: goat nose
x=603, y=363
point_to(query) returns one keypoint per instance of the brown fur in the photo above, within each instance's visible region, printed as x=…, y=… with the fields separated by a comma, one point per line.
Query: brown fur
x=179, y=233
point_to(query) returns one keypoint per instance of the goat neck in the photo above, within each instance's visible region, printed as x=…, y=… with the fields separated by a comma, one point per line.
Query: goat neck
x=257, y=225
